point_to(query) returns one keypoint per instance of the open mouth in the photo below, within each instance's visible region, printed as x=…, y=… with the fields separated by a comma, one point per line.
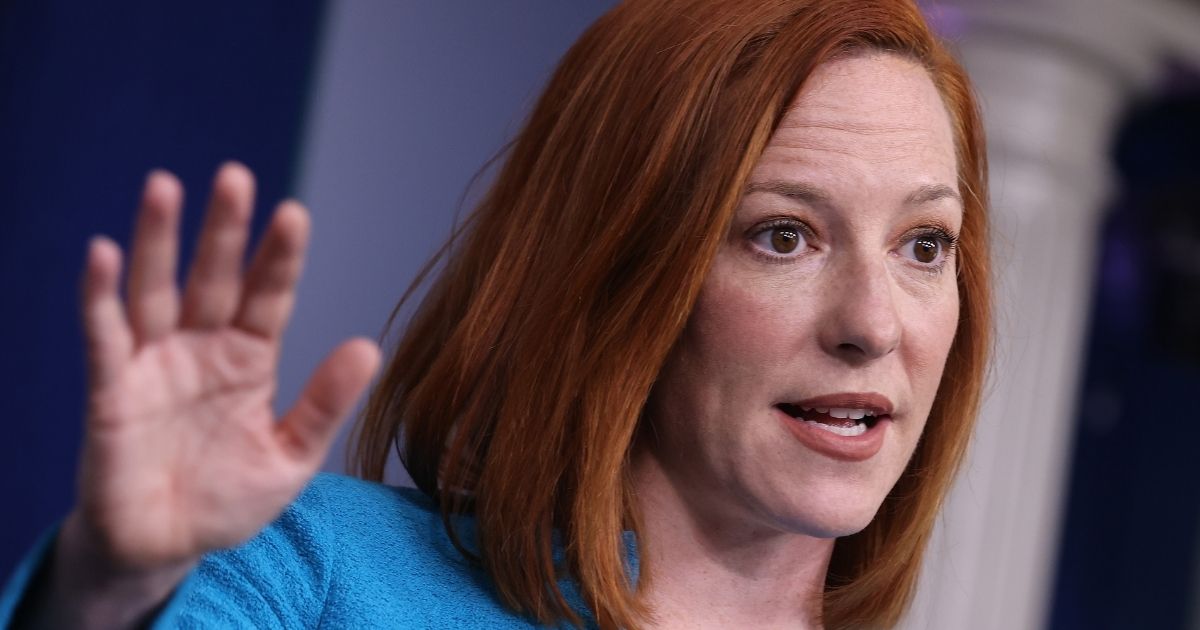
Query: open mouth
x=844, y=421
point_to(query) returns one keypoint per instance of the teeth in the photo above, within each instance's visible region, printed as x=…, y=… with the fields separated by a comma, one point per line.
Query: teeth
x=852, y=431
x=839, y=412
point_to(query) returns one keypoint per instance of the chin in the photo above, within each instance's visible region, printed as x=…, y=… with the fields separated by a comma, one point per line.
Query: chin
x=837, y=528
x=833, y=517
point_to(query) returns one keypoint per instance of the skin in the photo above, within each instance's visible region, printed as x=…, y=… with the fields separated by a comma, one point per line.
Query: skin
x=741, y=517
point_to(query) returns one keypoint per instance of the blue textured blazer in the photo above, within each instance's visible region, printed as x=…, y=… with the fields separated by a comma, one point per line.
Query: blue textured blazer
x=346, y=554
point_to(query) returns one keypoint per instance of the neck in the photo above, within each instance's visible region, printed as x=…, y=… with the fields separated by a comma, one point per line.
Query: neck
x=706, y=568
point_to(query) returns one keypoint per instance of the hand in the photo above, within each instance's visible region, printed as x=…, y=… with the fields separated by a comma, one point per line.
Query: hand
x=183, y=453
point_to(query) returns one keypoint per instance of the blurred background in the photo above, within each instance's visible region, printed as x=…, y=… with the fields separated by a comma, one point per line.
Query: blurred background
x=1080, y=504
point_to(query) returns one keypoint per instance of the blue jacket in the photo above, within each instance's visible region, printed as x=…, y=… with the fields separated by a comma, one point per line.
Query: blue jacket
x=346, y=554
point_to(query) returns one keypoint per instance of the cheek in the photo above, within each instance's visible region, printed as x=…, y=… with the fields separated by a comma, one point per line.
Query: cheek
x=745, y=324
x=931, y=330
x=729, y=354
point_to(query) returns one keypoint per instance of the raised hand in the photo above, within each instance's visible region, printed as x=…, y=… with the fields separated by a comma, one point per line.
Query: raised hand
x=183, y=453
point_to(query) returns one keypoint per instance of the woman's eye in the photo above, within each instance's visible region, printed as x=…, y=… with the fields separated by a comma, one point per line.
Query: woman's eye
x=926, y=249
x=780, y=239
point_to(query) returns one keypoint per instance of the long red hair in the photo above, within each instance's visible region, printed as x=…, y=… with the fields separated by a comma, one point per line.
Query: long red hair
x=516, y=390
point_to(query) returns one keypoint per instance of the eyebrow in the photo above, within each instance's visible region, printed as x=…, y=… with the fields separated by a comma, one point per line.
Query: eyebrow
x=930, y=193
x=813, y=195
x=794, y=190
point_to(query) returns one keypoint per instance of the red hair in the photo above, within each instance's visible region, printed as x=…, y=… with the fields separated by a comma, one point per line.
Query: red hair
x=517, y=388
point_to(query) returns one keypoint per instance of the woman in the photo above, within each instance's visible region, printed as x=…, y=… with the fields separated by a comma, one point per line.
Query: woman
x=707, y=354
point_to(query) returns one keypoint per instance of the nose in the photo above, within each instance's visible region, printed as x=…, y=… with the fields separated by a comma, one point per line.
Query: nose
x=861, y=322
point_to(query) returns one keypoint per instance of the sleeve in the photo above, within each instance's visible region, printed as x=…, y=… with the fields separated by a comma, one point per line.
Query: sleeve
x=278, y=579
x=21, y=578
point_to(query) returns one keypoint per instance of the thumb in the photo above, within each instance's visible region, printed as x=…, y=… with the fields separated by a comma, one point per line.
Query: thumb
x=309, y=427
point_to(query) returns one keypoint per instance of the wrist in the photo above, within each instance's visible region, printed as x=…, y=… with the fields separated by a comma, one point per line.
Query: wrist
x=101, y=590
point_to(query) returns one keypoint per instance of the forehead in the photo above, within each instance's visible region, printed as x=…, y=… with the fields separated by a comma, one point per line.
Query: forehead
x=870, y=119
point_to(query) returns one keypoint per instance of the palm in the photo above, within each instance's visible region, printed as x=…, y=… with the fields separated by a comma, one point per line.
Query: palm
x=193, y=435
x=183, y=452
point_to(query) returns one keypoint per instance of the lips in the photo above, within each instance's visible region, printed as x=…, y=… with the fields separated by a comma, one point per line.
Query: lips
x=873, y=404
x=848, y=427
x=845, y=421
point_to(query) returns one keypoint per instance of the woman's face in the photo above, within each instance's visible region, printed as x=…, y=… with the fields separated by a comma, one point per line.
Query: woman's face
x=832, y=298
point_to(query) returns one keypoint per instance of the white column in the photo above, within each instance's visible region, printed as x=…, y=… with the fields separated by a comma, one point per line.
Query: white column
x=1053, y=77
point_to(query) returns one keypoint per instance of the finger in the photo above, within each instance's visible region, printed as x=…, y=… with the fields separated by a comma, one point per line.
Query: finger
x=214, y=281
x=270, y=283
x=153, y=296
x=309, y=428
x=107, y=333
